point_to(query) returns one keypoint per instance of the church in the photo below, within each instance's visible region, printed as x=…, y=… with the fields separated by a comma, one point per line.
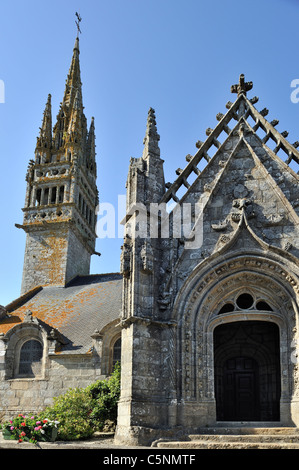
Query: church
x=203, y=314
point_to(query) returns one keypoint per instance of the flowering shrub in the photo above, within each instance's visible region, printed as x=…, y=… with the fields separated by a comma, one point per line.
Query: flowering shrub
x=31, y=429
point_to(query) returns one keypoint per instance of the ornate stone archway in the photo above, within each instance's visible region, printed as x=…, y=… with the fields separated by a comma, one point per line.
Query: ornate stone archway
x=197, y=312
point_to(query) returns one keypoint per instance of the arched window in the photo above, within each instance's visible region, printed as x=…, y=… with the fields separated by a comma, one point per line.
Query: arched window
x=116, y=352
x=30, y=364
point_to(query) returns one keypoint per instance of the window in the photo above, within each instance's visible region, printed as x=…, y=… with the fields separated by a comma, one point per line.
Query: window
x=245, y=301
x=227, y=308
x=262, y=305
x=116, y=352
x=30, y=364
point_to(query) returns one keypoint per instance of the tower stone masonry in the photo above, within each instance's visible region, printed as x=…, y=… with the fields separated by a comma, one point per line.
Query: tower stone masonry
x=61, y=196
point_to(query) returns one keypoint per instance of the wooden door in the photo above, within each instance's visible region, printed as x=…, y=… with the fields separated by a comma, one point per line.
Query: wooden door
x=240, y=392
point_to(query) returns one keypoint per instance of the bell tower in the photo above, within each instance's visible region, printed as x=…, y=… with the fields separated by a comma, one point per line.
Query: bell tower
x=61, y=195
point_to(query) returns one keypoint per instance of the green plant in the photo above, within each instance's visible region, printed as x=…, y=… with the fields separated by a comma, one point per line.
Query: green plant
x=106, y=395
x=72, y=410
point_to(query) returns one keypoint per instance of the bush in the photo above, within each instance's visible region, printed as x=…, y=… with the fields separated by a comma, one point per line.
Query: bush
x=106, y=395
x=72, y=410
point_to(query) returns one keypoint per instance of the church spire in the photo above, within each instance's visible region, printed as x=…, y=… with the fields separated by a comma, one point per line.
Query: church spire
x=151, y=139
x=71, y=108
x=73, y=81
x=61, y=194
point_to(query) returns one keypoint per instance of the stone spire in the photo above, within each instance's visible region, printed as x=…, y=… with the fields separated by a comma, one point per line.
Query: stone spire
x=45, y=135
x=151, y=139
x=73, y=81
x=72, y=104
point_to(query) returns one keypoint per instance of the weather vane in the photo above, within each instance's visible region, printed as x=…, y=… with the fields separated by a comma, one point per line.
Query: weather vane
x=78, y=23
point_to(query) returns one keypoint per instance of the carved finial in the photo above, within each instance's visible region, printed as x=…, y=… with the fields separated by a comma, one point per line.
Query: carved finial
x=28, y=317
x=242, y=87
x=151, y=139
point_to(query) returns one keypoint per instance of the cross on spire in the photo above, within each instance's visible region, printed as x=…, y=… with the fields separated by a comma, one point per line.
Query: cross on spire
x=242, y=86
x=78, y=23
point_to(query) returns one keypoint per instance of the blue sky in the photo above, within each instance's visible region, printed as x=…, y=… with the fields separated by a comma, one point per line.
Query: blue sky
x=178, y=56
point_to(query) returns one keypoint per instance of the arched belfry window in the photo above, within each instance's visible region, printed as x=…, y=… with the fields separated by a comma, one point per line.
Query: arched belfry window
x=30, y=363
x=116, y=352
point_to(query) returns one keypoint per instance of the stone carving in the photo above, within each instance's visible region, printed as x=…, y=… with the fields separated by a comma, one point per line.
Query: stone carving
x=274, y=219
x=164, y=300
x=208, y=187
x=244, y=204
x=28, y=318
x=224, y=238
x=220, y=227
x=242, y=87
x=125, y=257
x=147, y=257
x=236, y=216
x=287, y=246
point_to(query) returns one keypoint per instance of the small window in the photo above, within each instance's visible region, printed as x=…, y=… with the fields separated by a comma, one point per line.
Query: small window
x=30, y=359
x=61, y=194
x=262, y=305
x=116, y=352
x=226, y=308
x=245, y=301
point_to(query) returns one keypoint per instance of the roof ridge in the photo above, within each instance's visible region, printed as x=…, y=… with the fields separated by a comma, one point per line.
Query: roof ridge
x=22, y=299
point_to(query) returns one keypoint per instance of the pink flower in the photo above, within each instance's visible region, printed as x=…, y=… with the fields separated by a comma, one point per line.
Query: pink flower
x=11, y=428
x=38, y=422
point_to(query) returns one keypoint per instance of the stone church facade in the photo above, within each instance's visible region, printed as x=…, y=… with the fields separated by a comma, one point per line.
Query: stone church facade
x=205, y=308
x=210, y=307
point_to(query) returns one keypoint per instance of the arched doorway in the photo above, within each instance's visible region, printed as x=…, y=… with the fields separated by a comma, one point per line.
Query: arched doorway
x=247, y=371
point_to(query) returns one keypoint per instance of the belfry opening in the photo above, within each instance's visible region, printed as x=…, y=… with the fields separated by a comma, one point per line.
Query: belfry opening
x=247, y=371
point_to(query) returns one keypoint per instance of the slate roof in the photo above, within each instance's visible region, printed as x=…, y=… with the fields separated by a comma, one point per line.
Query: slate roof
x=87, y=303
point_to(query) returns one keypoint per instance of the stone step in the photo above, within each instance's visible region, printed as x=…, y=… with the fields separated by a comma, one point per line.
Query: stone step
x=247, y=430
x=290, y=438
x=276, y=437
x=206, y=444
